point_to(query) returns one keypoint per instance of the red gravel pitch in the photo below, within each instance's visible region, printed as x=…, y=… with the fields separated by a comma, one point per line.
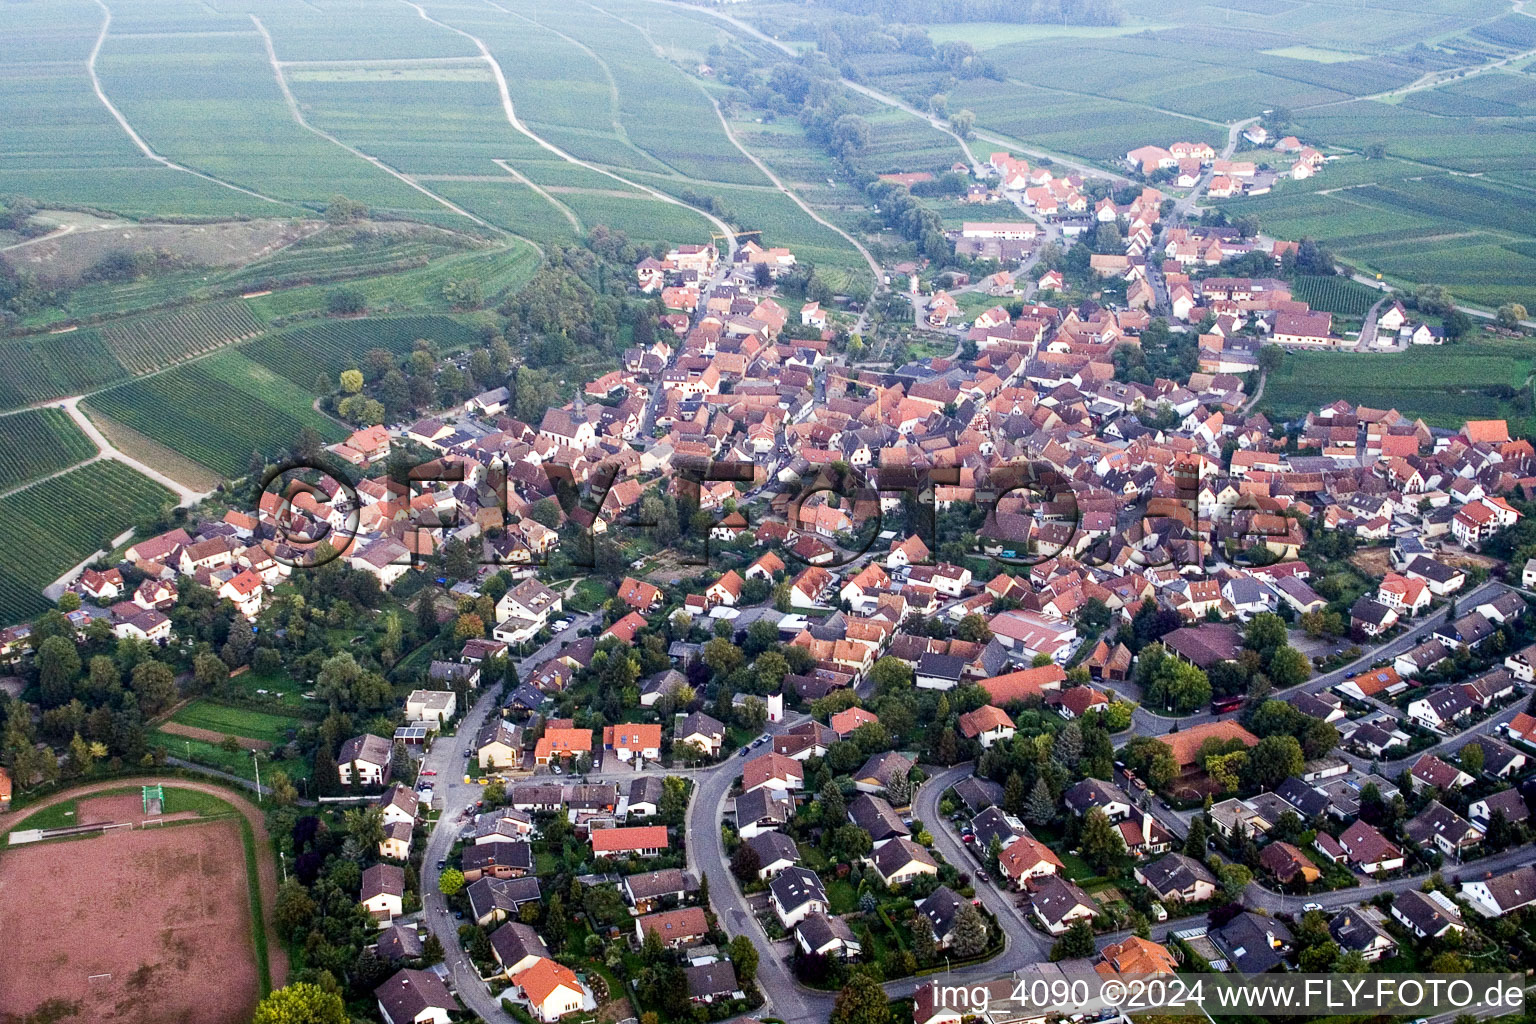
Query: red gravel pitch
x=117, y=807
x=165, y=912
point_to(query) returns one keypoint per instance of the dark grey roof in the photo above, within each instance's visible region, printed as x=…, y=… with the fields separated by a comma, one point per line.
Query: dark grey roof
x=1354, y=931
x=977, y=793
x=406, y=995
x=484, y=856
x=1248, y=942
x=515, y=940
x=794, y=887
x=1309, y=803
x=876, y=817
x=1175, y=873
x=940, y=909
x=505, y=894
x=716, y=979
x=773, y=846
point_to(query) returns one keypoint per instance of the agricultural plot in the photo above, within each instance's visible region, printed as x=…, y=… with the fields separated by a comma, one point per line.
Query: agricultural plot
x=1336, y=295
x=1088, y=126
x=158, y=341
x=512, y=205
x=1444, y=385
x=213, y=103
x=218, y=411
x=344, y=253
x=60, y=521
x=50, y=366
x=212, y=716
x=661, y=109
x=301, y=353
x=36, y=442
x=62, y=145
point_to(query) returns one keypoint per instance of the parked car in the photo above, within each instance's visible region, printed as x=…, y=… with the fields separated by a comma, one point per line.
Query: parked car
x=1311, y=906
x=441, y=864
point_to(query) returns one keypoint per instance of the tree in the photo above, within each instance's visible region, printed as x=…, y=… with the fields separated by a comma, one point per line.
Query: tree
x=57, y=665
x=969, y=935
x=1510, y=314
x=295, y=910
x=155, y=685
x=1101, y=843
x=209, y=672
x=744, y=958
x=1264, y=633
x=722, y=656
x=745, y=863
x=301, y=1003
x=351, y=381
x=963, y=122
x=862, y=1001
x=1013, y=793
x=327, y=776
x=1077, y=942
x=346, y=302
x=400, y=763
x=284, y=793
x=450, y=882
x=1040, y=808
x=1273, y=760
x=1471, y=757
x=1288, y=667
x=1234, y=879
x=890, y=675
x=1194, y=843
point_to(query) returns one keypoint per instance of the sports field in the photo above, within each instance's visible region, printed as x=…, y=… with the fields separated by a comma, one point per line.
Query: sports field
x=151, y=925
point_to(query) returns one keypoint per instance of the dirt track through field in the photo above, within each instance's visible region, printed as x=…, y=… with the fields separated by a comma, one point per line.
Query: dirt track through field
x=213, y=736
x=266, y=872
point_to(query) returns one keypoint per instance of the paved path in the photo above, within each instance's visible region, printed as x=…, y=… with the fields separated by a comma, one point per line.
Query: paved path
x=187, y=495
x=266, y=869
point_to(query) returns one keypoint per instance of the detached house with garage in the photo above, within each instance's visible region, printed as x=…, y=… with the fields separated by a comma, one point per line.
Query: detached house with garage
x=364, y=761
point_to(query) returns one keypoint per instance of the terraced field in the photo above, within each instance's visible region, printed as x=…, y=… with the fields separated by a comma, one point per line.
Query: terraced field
x=59, y=522
x=36, y=442
x=154, y=342
x=218, y=411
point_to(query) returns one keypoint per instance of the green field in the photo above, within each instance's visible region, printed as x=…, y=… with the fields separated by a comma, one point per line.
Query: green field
x=218, y=411
x=204, y=713
x=235, y=762
x=59, y=522
x=37, y=442
x=1444, y=385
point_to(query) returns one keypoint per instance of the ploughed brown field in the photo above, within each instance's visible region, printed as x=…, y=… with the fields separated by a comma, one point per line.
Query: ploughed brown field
x=165, y=912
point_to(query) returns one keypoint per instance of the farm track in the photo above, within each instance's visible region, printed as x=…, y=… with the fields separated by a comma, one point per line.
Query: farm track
x=187, y=495
x=613, y=84
x=298, y=117
x=543, y=193
x=511, y=114
x=874, y=266
x=266, y=870
x=144, y=147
